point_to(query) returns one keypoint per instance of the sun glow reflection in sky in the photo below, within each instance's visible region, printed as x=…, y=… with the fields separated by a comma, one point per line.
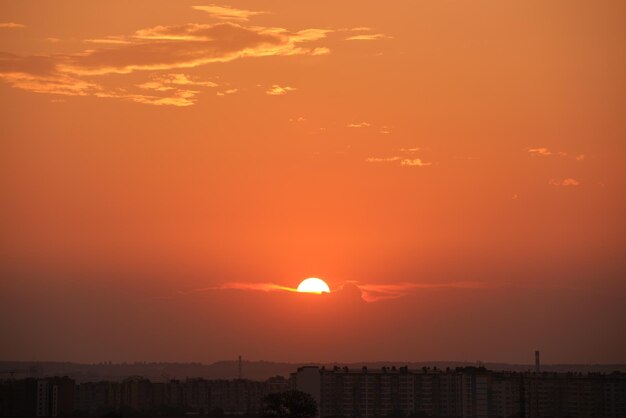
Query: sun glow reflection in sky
x=453, y=168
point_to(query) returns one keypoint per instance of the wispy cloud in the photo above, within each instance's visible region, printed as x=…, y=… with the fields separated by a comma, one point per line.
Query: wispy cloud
x=546, y=152
x=227, y=12
x=383, y=159
x=414, y=162
x=11, y=25
x=358, y=29
x=40, y=78
x=378, y=292
x=265, y=287
x=368, y=37
x=163, y=48
x=406, y=158
x=540, y=151
x=359, y=125
x=567, y=182
x=114, y=40
x=179, y=98
x=403, y=161
x=277, y=90
x=257, y=287
x=369, y=292
x=322, y=50
x=155, y=49
x=50, y=83
x=172, y=81
x=227, y=92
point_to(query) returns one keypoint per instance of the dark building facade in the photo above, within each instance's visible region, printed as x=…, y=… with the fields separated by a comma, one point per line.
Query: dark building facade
x=465, y=392
x=339, y=392
x=54, y=397
x=18, y=398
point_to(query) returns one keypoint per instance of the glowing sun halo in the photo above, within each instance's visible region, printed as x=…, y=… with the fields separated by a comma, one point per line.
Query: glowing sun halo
x=313, y=285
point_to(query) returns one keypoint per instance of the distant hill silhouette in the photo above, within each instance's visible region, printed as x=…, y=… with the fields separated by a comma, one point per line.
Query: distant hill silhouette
x=253, y=370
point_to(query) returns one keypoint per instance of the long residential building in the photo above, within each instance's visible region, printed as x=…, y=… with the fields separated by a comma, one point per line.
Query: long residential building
x=471, y=392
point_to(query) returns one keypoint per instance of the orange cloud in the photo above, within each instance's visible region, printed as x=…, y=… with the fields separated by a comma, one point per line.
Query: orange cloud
x=64, y=85
x=11, y=25
x=180, y=98
x=408, y=162
x=540, y=151
x=265, y=287
x=51, y=84
x=545, y=152
x=368, y=292
x=306, y=35
x=377, y=292
x=108, y=40
x=159, y=48
x=225, y=92
x=188, y=46
x=172, y=81
x=414, y=162
x=277, y=90
x=186, y=32
x=568, y=182
x=227, y=12
x=256, y=287
x=320, y=51
x=382, y=160
x=358, y=29
x=359, y=125
x=368, y=37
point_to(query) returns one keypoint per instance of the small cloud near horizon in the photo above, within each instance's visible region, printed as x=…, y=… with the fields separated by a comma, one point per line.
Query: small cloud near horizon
x=367, y=292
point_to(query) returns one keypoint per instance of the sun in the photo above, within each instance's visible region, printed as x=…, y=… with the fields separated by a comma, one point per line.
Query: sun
x=313, y=285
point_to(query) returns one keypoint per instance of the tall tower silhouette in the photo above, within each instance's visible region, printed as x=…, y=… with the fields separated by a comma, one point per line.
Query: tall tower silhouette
x=537, y=362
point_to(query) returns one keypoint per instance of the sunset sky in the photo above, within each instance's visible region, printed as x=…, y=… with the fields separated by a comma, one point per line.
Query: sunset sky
x=454, y=170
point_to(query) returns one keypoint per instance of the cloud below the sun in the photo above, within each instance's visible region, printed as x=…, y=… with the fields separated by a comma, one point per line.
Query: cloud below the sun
x=368, y=292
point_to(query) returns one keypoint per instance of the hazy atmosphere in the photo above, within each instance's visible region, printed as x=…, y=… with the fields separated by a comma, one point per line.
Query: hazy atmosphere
x=454, y=171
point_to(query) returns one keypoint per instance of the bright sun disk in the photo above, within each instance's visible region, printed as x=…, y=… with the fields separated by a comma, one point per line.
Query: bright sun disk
x=313, y=285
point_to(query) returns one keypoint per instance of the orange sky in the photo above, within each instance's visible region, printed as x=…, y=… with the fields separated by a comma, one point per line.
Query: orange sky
x=453, y=169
